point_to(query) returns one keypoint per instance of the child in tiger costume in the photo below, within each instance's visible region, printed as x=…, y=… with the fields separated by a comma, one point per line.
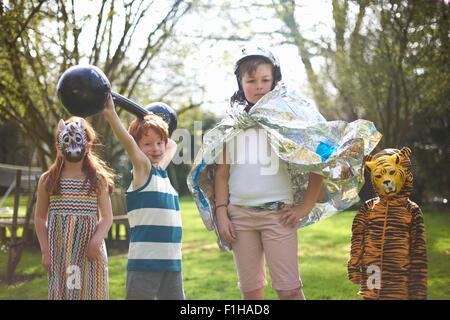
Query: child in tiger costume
x=388, y=250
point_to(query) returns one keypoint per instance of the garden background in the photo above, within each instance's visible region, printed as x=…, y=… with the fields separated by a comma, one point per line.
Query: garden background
x=384, y=61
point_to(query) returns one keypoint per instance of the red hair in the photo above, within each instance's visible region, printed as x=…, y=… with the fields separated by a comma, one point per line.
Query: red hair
x=97, y=171
x=138, y=127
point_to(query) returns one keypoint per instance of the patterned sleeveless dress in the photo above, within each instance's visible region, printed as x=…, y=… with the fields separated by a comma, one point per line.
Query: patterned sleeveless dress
x=72, y=221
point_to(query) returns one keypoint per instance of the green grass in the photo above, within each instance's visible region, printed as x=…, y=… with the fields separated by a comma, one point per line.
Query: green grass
x=210, y=274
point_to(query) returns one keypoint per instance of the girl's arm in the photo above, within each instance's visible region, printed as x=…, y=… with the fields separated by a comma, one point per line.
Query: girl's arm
x=171, y=149
x=137, y=157
x=104, y=224
x=40, y=221
x=221, y=177
x=291, y=216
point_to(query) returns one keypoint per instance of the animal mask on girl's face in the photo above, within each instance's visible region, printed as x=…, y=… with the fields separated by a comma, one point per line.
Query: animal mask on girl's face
x=388, y=172
x=72, y=140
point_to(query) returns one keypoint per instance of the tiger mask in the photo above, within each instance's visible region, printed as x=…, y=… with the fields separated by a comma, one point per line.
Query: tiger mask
x=389, y=171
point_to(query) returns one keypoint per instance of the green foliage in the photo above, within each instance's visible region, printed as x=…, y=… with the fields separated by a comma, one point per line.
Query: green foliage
x=388, y=62
x=40, y=40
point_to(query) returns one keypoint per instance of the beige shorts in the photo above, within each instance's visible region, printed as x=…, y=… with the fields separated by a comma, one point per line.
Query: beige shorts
x=260, y=237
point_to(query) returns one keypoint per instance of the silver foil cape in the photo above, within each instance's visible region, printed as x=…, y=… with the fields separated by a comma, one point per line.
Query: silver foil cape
x=302, y=138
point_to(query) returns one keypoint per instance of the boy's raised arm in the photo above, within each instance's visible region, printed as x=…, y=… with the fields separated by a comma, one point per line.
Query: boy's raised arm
x=169, y=154
x=137, y=157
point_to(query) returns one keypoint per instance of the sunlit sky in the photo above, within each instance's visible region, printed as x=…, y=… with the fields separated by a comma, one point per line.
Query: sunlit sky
x=210, y=63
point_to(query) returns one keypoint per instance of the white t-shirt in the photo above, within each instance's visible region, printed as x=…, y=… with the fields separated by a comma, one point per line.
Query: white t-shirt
x=257, y=175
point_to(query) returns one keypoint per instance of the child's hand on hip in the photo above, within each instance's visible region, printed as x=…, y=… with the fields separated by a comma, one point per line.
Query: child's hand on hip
x=290, y=216
x=226, y=229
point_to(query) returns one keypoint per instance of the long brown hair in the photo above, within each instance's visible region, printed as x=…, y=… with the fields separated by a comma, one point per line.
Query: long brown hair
x=97, y=171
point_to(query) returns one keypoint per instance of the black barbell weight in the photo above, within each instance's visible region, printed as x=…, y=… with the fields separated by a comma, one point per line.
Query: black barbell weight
x=165, y=112
x=84, y=89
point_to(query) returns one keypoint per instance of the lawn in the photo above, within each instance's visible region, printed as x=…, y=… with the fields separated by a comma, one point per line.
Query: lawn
x=210, y=274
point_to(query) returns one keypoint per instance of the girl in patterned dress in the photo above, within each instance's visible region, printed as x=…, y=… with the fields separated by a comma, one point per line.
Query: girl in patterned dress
x=70, y=194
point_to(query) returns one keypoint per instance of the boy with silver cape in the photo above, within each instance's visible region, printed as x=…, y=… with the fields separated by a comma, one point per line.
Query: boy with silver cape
x=302, y=138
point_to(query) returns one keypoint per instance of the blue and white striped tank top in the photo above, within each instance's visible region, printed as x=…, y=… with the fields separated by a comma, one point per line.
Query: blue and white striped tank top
x=154, y=215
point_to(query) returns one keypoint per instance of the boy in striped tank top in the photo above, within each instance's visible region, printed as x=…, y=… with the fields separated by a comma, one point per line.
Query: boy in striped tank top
x=154, y=255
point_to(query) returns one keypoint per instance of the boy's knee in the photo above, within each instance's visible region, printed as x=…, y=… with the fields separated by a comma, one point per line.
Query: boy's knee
x=290, y=294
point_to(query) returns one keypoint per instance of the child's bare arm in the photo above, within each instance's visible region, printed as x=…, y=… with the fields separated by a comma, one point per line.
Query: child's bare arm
x=171, y=149
x=221, y=192
x=221, y=177
x=104, y=224
x=40, y=220
x=221, y=185
x=137, y=157
x=313, y=190
x=291, y=216
x=105, y=213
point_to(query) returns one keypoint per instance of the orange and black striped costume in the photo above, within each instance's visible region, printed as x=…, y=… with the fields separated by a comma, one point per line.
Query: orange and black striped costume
x=388, y=250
